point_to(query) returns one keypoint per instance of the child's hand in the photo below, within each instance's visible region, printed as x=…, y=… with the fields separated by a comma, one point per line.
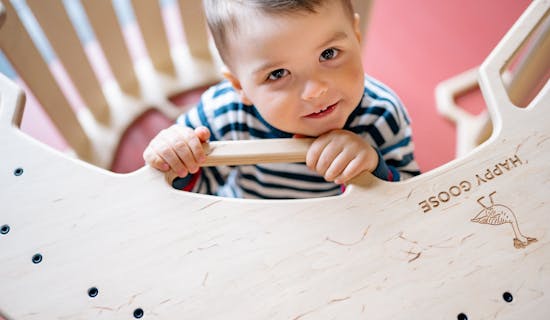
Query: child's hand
x=341, y=155
x=177, y=148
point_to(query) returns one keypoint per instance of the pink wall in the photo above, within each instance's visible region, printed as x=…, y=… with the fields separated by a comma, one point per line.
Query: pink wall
x=413, y=45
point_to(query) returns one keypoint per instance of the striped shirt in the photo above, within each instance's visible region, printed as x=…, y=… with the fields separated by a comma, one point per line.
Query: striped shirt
x=380, y=119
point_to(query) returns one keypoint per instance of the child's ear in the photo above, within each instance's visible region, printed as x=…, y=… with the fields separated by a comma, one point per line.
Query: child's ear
x=237, y=86
x=357, y=26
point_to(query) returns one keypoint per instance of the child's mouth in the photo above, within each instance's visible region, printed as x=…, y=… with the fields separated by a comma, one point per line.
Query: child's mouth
x=322, y=112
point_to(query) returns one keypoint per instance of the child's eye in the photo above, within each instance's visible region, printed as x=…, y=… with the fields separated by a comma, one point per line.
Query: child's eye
x=277, y=74
x=329, y=54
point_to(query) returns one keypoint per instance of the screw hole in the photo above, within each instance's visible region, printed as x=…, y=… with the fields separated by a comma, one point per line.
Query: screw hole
x=507, y=296
x=462, y=316
x=93, y=292
x=17, y=172
x=138, y=313
x=4, y=229
x=37, y=258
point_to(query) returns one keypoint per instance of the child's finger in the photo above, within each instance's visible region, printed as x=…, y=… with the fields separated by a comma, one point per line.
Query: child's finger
x=154, y=161
x=202, y=133
x=164, y=146
x=314, y=152
x=336, y=167
x=159, y=164
x=325, y=151
x=172, y=146
x=170, y=156
x=190, y=149
x=354, y=168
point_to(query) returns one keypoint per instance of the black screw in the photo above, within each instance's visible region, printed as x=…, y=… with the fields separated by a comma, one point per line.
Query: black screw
x=4, y=229
x=138, y=313
x=93, y=292
x=17, y=172
x=37, y=258
x=507, y=296
x=462, y=316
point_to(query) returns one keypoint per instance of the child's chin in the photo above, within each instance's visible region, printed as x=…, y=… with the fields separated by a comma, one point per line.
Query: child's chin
x=316, y=133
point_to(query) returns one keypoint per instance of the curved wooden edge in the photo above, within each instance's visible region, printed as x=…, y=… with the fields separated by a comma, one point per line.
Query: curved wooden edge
x=494, y=90
x=12, y=102
x=447, y=90
x=294, y=150
x=533, y=67
x=386, y=247
x=471, y=129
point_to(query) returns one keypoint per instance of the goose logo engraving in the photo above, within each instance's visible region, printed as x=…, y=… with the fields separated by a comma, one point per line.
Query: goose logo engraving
x=497, y=214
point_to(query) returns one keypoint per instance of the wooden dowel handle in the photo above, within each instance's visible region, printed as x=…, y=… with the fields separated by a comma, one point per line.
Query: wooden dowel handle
x=243, y=152
x=256, y=151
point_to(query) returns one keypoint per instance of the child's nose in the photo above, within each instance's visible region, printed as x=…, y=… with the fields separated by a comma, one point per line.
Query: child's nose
x=314, y=89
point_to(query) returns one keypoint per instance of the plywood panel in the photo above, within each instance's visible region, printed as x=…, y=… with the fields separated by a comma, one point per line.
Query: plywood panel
x=469, y=239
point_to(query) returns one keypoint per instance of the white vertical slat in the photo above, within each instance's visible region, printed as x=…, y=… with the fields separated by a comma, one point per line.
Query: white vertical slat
x=109, y=35
x=24, y=56
x=150, y=21
x=62, y=36
x=196, y=32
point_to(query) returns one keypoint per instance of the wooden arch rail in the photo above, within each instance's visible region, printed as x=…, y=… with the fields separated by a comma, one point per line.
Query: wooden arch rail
x=79, y=242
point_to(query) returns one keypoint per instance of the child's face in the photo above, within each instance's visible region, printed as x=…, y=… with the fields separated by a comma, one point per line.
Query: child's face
x=302, y=71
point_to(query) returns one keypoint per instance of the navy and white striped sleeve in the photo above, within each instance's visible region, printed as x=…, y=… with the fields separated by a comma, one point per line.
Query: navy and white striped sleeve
x=390, y=131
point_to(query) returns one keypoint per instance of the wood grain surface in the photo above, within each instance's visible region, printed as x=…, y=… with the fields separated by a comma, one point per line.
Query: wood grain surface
x=468, y=239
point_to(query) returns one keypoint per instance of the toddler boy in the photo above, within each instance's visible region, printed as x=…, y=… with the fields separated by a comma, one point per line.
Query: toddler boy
x=293, y=69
